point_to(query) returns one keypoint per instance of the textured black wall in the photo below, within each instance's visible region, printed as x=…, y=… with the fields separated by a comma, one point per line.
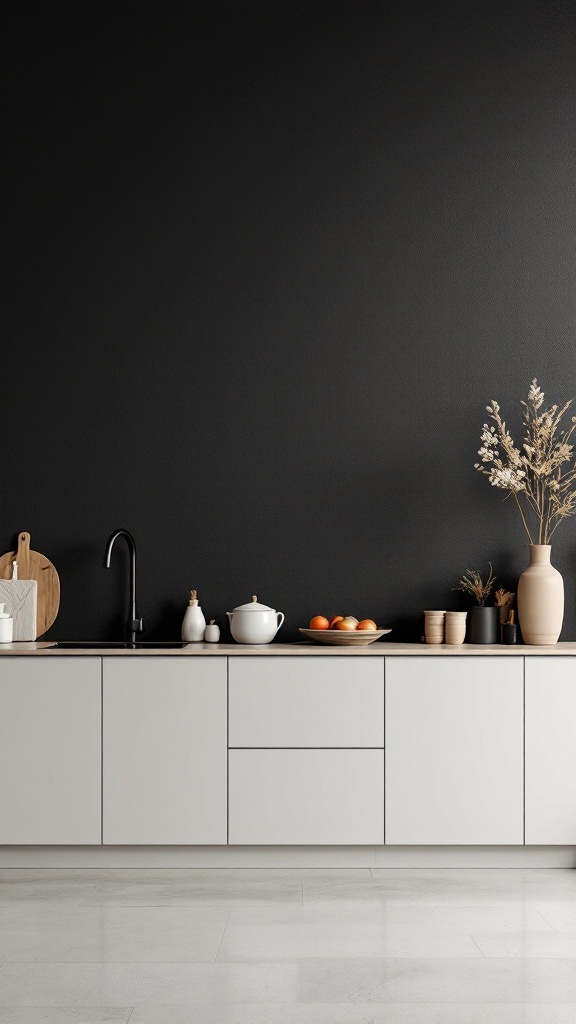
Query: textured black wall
x=264, y=264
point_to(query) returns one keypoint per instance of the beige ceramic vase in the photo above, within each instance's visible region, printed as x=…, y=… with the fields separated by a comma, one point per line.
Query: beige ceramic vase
x=540, y=598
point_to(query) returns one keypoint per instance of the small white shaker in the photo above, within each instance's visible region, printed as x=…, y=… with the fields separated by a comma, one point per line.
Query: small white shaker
x=6, y=626
x=212, y=632
x=194, y=623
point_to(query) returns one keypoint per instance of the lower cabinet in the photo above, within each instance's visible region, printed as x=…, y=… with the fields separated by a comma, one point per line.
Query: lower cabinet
x=477, y=750
x=551, y=750
x=164, y=750
x=50, y=767
x=454, y=750
x=306, y=797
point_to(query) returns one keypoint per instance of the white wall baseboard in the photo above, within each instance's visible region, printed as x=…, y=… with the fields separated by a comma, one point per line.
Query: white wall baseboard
x=287, y=856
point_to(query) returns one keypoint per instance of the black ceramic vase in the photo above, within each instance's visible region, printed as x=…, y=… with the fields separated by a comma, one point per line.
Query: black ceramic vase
x=483, y=625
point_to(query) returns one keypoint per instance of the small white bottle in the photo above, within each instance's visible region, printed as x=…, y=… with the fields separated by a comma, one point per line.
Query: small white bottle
x=194, y=623
x=212, y=632
x=6, y=626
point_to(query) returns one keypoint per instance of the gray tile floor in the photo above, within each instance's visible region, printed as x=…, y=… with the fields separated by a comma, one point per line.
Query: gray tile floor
x=288, y=946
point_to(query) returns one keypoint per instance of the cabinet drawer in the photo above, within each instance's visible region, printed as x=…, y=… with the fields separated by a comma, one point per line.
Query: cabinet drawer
x=306, y=797
x=306, y=702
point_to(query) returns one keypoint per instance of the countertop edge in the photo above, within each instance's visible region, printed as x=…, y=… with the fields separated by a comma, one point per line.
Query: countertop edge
x=377, y=649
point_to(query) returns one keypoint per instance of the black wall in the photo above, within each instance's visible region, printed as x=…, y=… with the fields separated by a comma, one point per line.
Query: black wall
x=263, y=266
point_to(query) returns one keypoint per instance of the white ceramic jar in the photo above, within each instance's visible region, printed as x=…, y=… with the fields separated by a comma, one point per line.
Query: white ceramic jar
x=194, y=623
x=254, y=623
x=212, y=632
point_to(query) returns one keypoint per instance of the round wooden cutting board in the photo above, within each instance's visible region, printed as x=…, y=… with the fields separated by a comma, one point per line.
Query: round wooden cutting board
x=34, y=566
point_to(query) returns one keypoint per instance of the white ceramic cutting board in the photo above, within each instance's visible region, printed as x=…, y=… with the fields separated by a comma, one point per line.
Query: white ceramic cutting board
x=20, y=598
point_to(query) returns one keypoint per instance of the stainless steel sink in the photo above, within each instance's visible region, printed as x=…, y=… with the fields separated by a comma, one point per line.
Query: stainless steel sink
x=79, y=645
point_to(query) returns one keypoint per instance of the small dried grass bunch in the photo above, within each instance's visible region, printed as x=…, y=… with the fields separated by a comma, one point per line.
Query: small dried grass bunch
x=504, y=599
x=541, y=475
x=472, y=583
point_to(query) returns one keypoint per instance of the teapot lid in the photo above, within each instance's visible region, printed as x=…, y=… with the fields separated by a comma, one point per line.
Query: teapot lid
x=254, y=606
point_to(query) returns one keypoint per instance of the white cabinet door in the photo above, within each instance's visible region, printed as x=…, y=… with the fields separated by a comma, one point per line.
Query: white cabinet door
x=50, y=767
x=307, y=702
x=164, y=750
x=454, y=750
x=306, y=797
x=550, y=750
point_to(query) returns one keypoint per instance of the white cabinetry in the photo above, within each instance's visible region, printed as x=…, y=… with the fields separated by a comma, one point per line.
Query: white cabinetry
x=307, y=702
x=551, y=751
x=321, y=779
x=307, y=797
x=454, y=750
x=164, y=750
x=50, y=768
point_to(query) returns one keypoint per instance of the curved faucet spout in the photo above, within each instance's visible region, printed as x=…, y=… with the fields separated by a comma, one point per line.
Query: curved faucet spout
x=134, y=624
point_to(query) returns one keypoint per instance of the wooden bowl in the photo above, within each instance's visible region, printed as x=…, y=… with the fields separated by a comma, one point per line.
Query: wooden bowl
x=344, y=638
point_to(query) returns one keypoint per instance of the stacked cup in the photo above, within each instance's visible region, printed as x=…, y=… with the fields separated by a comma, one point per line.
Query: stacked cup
x=434, y=627
x=455, y=627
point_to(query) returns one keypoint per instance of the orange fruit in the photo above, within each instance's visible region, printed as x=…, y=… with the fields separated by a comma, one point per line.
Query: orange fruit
x=319, y=622
x=334, y=620
x=367, y=624
x=346, y=624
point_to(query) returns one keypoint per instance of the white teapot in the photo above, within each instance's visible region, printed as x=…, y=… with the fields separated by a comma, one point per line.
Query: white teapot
x=254, y=623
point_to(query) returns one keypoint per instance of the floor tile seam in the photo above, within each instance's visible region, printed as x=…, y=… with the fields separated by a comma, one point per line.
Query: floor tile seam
x=456, y=960
x=255, y=962
x=93, y=892
x=478, y=947
x=285, y=961
x=549, y=923
x=133, y=907
x=222, y=936
x=426, y=904
x=168, y=906
x=370, y=1007
x=392, y=1002
x=135, y=963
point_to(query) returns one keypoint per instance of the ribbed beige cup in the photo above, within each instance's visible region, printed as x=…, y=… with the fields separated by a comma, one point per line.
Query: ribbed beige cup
x=434, y=627
x=456, y=627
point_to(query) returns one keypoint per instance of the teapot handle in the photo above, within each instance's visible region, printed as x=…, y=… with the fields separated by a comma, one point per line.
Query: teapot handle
x=280, y=617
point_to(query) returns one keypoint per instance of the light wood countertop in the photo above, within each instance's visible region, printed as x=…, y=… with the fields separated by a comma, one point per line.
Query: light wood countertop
x=377, y=649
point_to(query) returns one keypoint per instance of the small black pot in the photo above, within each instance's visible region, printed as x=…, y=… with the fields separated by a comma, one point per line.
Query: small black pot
x=508, y=633
x=483, y=625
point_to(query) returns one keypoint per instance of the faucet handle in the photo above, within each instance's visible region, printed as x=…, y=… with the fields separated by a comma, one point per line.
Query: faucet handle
x=136, y=626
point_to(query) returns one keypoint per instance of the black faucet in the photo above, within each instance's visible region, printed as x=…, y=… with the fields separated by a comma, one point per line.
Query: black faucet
x=134, y=624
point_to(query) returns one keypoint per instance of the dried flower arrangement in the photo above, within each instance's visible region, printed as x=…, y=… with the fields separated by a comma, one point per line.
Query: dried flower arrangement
x=504, y=600
x=472, y=583
x=536, y=475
